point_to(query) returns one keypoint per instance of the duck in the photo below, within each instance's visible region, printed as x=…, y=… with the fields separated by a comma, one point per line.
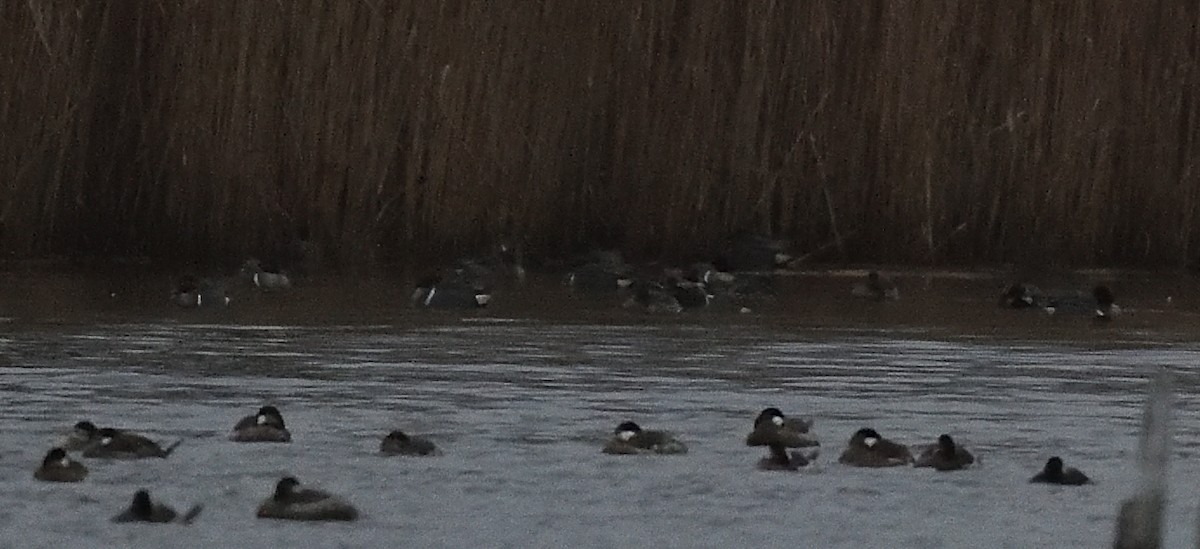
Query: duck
x=57, y=467
x=877, y=287
x=599, y=278
x=779, y=459
x=652, y=297
x=291, y=502
x=398, y=443
x=1055, y=473
x=1106, y=307
x=191, y=292
x=117, y=444
x=868, y=449
x=265, y=426
x=142, y=509
x=435, y=293
x=82, y=435
x=267, y=280
x=753, y=252
x=778, y=433
x=1100, y=304
x=1022, y=296
x=630, y=438
x=945, y=455
x=772, y=427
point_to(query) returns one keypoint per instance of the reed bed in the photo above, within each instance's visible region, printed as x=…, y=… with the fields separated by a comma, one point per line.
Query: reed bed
x=905, y=130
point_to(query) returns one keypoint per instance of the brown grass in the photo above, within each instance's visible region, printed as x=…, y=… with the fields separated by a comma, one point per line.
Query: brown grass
x=909, y=131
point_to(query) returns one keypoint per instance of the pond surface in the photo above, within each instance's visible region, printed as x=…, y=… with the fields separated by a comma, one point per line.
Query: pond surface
x=522, y=407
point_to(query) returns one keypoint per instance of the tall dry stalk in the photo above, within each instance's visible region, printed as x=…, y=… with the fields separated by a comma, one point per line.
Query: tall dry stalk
x=970, y=132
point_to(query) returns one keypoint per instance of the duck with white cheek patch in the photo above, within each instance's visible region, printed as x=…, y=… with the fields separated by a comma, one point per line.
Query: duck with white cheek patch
x=630, y=438
x=868, y=449
x=778, y=433
x=57, y=467
x=265, y=426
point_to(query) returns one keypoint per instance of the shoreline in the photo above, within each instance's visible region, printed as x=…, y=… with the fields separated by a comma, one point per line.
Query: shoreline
x=1157, y=307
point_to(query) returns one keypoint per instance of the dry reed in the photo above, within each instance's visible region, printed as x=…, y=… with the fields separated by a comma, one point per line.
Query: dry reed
x=904, y=130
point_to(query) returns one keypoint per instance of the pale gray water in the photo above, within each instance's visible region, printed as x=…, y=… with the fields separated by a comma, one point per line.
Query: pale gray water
x=522, y=409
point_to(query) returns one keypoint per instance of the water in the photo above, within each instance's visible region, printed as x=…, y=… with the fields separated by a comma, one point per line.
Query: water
x=521, y=409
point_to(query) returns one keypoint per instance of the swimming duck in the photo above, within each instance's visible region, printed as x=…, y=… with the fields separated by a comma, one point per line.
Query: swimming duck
x=598, y=278
x=264, y=279
x=265, y=426
x=868, y=449
x=397, y=443
x=779, y=459
x=1106, y=307
x=946, y=455
x=117, y=444
x=1054, y=473
x=191, y=292
x=81, y=436
x=1100, y=304
x=877, y=288
x=653, y=297
x=772, y=427
x=629, y=438
x=1022, y=296
x=290, y=502
x=435, y=293
x=752, y=252
x=142, y=509
x=57, y=467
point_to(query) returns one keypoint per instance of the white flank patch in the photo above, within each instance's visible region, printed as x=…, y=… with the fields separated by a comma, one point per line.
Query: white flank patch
x=870, y=441
x=64, y=462
x=429, y=296
x=624, y=282
x=778, y=421
x=625, y=435
x=262, y=419
x=105, y=441
x=256, y=282
x=482, y=299
x=199, y=299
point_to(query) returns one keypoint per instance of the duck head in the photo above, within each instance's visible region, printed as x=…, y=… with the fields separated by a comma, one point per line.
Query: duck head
x=284, y=488
x=773, y=415
x=56, y=456
x=627, y=430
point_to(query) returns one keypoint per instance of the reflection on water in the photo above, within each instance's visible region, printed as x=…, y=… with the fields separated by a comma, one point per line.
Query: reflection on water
x=522, y=408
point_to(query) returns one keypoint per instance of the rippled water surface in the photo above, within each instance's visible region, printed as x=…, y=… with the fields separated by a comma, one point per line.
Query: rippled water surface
x=522, y=408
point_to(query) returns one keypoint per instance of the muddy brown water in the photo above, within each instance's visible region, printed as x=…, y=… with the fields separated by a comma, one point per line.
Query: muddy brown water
x=522, y=395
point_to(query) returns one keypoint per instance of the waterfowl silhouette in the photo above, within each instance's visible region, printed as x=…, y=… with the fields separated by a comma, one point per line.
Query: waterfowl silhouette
x=945, y=455
x=397, y=443
x=265, y=426
x=752, y=252
x=877, y=288
x=1106, y=307
x=771, y=427
x=1055, y=473
x=779, y=459
x=117, y=444
x=435, y=293
x=599, y=277
x=57, y=467
x=142, y=509
x=81, y=436
x=630, y=438
x=652, y=297
x=868, y=449
x=1022, y=296
x=290, y=502
x=191, y=292
x=264, y=279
